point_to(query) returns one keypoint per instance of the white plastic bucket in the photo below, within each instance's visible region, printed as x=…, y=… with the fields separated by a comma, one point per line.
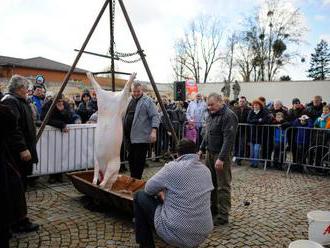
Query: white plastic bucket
x=319, y=226
x=304, y=244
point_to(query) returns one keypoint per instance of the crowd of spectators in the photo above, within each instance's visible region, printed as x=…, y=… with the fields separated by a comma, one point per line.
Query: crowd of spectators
x=254, y=139
x=264, y=133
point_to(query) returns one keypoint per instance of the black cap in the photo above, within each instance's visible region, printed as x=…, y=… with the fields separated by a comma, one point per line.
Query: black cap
x=295, y=101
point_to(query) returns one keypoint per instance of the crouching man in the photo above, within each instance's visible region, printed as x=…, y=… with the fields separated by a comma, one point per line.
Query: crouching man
x=176, y=202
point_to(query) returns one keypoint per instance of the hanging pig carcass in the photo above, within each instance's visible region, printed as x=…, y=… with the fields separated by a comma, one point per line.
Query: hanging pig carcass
x=109, y=131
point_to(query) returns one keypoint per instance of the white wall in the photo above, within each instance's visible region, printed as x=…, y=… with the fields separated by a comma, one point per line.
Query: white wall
x=285, y=91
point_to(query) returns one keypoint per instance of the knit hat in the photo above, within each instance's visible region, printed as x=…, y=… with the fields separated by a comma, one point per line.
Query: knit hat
x=295, y=101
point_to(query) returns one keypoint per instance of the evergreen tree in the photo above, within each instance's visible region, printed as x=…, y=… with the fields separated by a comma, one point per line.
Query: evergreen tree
x=320, y=62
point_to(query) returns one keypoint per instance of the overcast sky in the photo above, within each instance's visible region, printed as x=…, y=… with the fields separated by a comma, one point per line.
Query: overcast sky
x=54, y=28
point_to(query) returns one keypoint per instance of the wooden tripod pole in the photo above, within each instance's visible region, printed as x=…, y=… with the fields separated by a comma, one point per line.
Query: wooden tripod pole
x=67, y=76
x=146, y=66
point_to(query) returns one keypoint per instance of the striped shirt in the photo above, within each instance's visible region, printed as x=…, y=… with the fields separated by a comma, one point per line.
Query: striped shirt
x=184, y=219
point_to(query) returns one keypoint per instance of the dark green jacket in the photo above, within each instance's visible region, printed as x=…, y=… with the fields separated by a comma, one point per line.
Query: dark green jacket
x=220, y=132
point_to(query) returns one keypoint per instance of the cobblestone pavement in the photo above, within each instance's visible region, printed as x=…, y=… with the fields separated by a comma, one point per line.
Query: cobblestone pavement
x=275, y=217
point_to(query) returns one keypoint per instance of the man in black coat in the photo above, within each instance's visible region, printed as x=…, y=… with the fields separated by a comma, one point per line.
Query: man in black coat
x=13, y=210
x=24, y=152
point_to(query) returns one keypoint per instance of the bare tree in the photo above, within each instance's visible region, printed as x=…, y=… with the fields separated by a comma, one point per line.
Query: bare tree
x=274, y=27
x=178, y=63
x=245, y=61
x=199, y=49
x=229, y=58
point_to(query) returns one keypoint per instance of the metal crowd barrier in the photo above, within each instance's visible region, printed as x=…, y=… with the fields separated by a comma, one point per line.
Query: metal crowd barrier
x=60, y=152
x=289, y=148
x=307, y=149
x=279, y=147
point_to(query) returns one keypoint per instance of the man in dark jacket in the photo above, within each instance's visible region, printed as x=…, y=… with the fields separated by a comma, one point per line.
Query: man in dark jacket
x=314, y=110
x=242, y=112
x=218, y=141
x=60, y=117
x=13, y=210
x=296, y=111
x=16, y=100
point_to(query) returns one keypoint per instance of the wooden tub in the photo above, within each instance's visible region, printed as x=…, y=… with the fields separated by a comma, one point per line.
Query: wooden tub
x=115, y=198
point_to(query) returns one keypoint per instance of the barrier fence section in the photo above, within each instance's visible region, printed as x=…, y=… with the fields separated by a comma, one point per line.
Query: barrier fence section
x=65, y=151
x=60, y=152
x=279, y=146
x=261, y=145
x=283, y=147
x=308, y=148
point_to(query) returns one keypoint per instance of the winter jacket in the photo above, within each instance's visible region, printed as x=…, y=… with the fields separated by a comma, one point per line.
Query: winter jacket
x=280, y=133
x=196, y=111
x=242, y=113
x=303, y=133
x=58, y=119
x=293, y=114
x=26, y=131
x=261, y=118
x=85, y=111
x=145, y=118
x=321, y=122
x=13, y=204
x=220, y=132
x=314, y=111
x=38, y=102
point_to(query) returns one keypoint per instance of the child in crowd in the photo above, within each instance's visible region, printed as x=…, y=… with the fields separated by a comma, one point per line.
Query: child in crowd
x=280, y=140
x=301, y=141
x=321, y=137
x=324, y=120
x=190, y=131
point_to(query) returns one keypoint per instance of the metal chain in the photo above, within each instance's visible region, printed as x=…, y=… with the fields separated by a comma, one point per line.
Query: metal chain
x=112, y=24
x=113, y=16
x=121, y=55
x=130, y=61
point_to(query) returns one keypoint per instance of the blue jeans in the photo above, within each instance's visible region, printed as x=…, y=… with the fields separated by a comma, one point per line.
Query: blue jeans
x=254, y=154
x=144, y=212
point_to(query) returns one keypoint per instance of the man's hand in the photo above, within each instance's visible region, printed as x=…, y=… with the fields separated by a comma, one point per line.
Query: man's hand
x=132, y=77
x=161, y=196
x=200, y=154
x=153, y=135
x=25, y=155
x=218, y=165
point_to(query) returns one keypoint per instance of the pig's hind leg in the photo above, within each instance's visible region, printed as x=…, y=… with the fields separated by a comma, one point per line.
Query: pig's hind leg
x=111, y=173
x=96, y=172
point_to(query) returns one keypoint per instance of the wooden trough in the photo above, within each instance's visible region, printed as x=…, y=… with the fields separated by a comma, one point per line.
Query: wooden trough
x=120, y=197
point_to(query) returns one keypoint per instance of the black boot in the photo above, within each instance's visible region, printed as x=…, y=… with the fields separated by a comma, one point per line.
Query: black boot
x=25, y=225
